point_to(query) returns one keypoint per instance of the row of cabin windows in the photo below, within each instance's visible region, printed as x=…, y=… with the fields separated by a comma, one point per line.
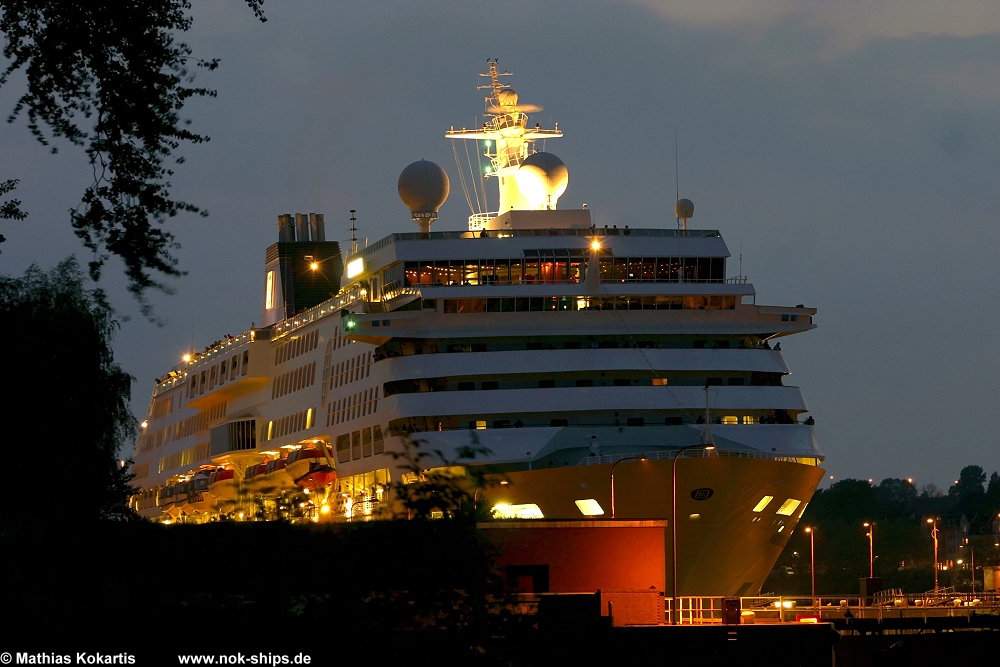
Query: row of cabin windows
x=339, y=340
x=416, y=386
x=350, y=407
x=403, y=347
x=296, y=346
x=409, y=425
x=351, y=370
x=529, y=270
x=207, y=379
x=360, y=444
x=574, y=303
x=299, y=378
x=300, y=421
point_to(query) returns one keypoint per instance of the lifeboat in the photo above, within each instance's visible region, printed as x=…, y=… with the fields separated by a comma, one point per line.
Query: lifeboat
x=310, y=469
x=166, y=499
x=222, y=489
x=276, y=478
x=253, y=479
x=198, y=499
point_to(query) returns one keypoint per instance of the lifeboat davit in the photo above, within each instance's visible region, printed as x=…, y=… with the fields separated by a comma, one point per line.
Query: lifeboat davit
x=310, y=469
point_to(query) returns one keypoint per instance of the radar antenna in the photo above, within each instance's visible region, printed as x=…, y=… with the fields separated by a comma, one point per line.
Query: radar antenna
x=354, y=235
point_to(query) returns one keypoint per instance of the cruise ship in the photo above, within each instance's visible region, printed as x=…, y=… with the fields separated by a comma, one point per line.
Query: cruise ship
x=587, y=368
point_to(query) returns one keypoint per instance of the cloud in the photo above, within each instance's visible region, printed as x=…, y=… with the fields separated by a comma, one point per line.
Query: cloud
x=848, y=23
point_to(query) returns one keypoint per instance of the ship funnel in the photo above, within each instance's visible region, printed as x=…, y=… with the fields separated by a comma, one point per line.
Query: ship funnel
x=301, y=227
x=316, y=227
x=286, y=230
x=684, y=209
x=423, y=187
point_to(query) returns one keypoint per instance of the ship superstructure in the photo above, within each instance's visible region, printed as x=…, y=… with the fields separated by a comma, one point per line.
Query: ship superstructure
x=574, y=357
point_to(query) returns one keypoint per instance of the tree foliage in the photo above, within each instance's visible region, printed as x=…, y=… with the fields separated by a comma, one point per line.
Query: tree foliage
x=110, y=77
x=68, y=399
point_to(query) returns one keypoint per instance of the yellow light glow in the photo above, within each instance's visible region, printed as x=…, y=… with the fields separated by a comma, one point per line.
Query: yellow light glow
x=589, y=507
x=525, y=511
x=313, y=266
x=694, y=517
x=595, y=245
x=324, y=508
x=186, y=358
x=764, y=502
x=788, y=507
x=355, y=266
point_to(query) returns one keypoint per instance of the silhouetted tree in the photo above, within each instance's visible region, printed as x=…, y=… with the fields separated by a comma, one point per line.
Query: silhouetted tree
x=67, y=403
x=110, y=77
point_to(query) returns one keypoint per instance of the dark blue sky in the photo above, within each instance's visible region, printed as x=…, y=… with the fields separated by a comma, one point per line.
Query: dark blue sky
x=850, y=154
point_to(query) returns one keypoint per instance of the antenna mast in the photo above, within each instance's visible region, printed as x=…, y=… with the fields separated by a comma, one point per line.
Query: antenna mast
x=354, y=236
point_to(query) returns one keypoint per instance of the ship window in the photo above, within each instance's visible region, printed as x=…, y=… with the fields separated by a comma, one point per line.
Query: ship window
x=466, y=386
x=623, y=382
x=491, y=384
x=660, y=382
x=735, y=381
x=378, y=445
x=713, y=381
x=784, y=317
x=356, y=445
x=546, y=384
x=479, y=425
x=501, y=423
x=246, y=362
x=749, y=419
x=789, y=506
x=343, y=448
x=672, y=421
x=558, y=422
x=636, y=421
x=589, y=507
x=764, y=502
x=222, y=373
x=730, y=419
x=584, y=383
x=366, y=442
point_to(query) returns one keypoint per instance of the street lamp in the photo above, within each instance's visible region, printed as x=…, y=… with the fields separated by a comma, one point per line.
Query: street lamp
x=934, y=534
x=871, y=548
x=812, y=561
x=707, y=446
x=630, y=458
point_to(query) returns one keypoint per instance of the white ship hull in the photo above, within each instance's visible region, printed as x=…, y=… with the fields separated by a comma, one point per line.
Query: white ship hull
x=560, y=350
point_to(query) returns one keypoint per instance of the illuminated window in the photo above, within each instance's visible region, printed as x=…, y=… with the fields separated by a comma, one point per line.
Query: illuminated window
x=480, y=425
x=589, y=507
x=309, y=418
x=730, y=419
x=525, y=511
x=660, y=382
x=355, y=266
x=749, y=419
x=789, y=506
x=764, y=502
x=269, y=291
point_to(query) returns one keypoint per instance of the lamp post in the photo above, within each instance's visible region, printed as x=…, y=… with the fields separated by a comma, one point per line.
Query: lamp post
x=707, y=446
x=871, y=548
x=630, y=458
x=934, y=535
x=812, y=561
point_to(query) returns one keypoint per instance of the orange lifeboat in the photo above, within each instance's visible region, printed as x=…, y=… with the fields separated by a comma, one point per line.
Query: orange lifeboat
x=309, y=469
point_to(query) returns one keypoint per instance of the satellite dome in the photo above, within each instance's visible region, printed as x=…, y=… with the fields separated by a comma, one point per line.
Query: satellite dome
x=507, y=98
x=684, y=209
x=542, y=178
x=423, y=187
